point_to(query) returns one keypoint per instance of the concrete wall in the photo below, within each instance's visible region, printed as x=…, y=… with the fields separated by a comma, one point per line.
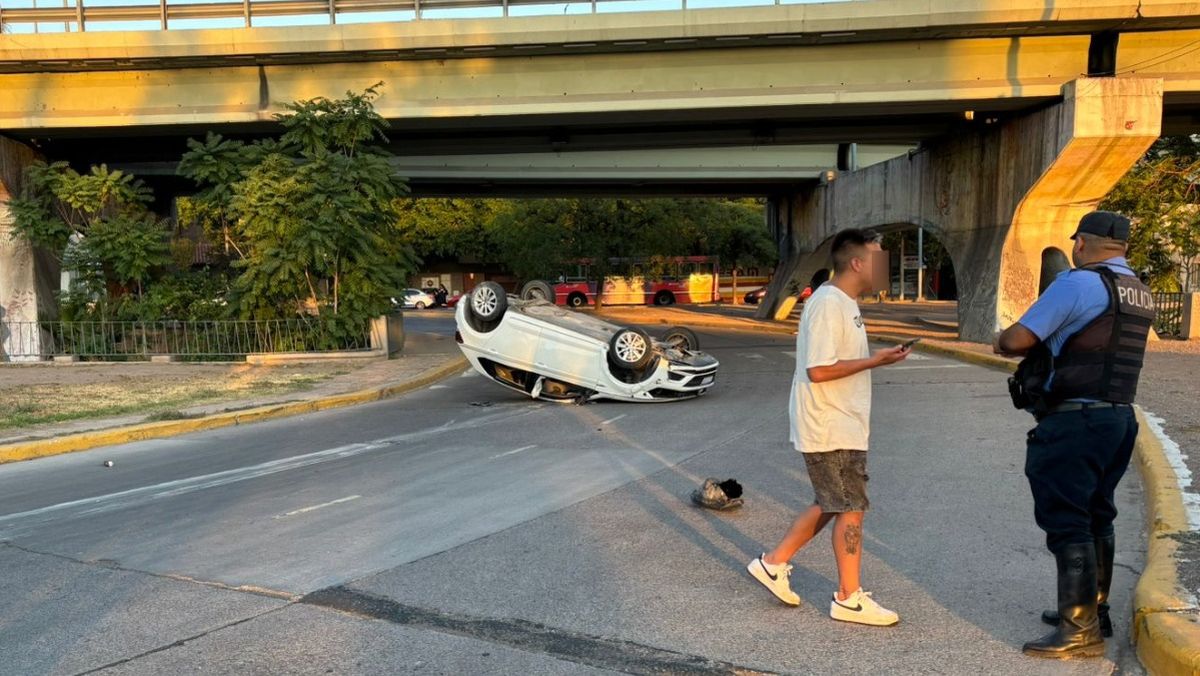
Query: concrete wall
x=997, y=196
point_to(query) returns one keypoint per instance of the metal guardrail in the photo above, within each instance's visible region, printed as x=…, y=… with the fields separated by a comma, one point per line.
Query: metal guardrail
x=76, y=15
x=197, y=339
x=1170, y=313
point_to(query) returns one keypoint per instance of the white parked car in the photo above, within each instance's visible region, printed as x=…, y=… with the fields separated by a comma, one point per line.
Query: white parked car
x=549, y=352
x=415, y=298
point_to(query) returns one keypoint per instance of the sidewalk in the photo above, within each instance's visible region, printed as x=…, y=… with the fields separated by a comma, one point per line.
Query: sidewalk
x=425, y=356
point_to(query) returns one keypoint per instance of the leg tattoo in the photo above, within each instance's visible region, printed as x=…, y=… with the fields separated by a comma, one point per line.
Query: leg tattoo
x=853, y=536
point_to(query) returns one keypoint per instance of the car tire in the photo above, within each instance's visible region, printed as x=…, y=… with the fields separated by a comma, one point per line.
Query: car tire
x=577, y=300
x=420, y=305
x=537, y=290
x=664, y=298
x=630, y=349
x=488, y=302
x=682, y=337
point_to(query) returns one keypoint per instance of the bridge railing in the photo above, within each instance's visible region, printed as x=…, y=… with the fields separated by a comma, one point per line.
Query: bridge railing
x=81, y=15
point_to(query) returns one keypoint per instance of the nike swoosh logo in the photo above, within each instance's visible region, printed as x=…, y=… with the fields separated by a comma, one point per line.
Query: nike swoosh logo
x=857, y=609
x=765, y=570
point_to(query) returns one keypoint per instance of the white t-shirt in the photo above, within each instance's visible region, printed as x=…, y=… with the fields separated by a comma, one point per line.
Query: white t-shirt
x=836, y=414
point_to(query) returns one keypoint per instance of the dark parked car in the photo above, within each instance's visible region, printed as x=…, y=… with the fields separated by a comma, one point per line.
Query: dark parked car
x=755, y=296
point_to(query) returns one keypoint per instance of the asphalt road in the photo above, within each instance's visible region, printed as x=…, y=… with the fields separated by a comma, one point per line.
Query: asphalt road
x=463, y=529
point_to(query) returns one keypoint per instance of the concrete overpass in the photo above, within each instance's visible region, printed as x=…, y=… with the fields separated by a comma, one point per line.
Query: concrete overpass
x=995, y=94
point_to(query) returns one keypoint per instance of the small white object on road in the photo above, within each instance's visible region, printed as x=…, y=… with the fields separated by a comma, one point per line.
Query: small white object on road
x=108, y=463
x=613, y=420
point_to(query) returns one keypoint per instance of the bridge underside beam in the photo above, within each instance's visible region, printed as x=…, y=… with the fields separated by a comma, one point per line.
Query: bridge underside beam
x=997, y=198
x=874, y=78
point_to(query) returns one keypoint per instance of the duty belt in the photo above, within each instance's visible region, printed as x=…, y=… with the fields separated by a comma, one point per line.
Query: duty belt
x=1070, y=406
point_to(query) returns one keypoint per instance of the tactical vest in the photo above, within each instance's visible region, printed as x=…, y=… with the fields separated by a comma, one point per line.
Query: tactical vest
x=1104, y=359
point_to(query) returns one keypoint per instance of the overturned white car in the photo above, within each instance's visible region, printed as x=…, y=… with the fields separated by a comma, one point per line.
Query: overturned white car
x=547, y=352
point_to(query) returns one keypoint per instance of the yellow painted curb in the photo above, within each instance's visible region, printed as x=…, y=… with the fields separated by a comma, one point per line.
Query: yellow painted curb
x=27, y=450
x=1165, y=617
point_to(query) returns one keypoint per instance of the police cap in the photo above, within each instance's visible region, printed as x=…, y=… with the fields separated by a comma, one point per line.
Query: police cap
x=1104, y=224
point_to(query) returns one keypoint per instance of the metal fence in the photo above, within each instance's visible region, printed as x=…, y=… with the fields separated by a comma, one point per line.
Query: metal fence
x=1170, y=313
x=78, y=15
x=191, y=339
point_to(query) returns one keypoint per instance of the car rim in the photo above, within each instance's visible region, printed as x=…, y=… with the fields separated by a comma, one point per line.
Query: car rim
x=630, y=348
x=679, y=342
x=484, y=301
x=537, y=294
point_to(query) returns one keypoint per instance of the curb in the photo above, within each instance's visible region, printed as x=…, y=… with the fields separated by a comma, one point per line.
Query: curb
x=990, y=361
x=28, y=450
x=1166, y=631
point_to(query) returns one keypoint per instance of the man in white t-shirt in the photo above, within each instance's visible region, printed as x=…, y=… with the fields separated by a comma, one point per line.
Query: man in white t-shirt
x=830, y=411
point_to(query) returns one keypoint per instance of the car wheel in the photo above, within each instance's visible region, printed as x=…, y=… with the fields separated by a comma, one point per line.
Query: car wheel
x=577, y=300
x=420, y=305
x=664, y=298
x=630, y=349
x=682, y=338
x=489, y=301
x=537, y=290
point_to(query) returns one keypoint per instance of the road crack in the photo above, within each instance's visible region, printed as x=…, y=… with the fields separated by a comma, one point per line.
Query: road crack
x=586, y=649
x=110, y=564
x=182, y=642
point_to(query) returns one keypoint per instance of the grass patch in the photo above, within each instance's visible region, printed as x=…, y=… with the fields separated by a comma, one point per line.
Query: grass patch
x=155, y=395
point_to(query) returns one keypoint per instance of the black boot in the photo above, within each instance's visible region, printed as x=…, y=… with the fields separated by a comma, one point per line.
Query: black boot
x=1106, y=548
x=1078, y=632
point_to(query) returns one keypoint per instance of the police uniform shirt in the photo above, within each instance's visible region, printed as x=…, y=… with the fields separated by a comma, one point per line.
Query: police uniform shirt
x=1070, y=303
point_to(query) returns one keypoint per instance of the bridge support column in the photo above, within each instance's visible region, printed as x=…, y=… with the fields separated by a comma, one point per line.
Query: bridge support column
x=996, y=195
x=27, y=277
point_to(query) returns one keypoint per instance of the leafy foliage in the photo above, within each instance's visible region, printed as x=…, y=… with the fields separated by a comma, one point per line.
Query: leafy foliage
x=97, y=223
x=313, y=216
x=1161, y=194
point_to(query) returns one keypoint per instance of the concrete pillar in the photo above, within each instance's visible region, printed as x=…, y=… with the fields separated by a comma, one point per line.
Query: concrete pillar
x=1190, y=330
x=26, y=275
x=996, y=195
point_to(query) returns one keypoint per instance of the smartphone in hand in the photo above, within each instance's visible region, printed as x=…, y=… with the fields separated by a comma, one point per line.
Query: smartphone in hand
x=908, y=344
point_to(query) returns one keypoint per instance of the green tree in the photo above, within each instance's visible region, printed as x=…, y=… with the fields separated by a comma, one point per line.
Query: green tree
x=450, y=228
x=313, y=215
x=534, y=238
x=98, y=221
x=1161, y=194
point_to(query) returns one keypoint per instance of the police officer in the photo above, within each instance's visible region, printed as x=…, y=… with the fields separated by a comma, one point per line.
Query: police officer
x=1083, y=344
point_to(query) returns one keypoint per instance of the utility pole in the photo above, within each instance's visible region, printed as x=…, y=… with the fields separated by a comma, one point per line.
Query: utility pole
x=920, y=263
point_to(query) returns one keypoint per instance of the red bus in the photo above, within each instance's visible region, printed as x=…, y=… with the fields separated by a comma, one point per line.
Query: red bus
x=636, y=281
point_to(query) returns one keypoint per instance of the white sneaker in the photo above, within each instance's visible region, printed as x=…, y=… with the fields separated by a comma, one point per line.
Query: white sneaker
x=862, y=609
x=774, y=578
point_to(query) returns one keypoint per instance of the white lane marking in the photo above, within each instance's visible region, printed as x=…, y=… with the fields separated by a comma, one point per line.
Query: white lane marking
x=468, y=374
x=613, y=420
x=21, y=522
x=302, y=510
x=928, y=367
x=439, y=387
x=1176, y=457
x=917, y=356
x=750, y=355
x=790, y=353
x=516, y=450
